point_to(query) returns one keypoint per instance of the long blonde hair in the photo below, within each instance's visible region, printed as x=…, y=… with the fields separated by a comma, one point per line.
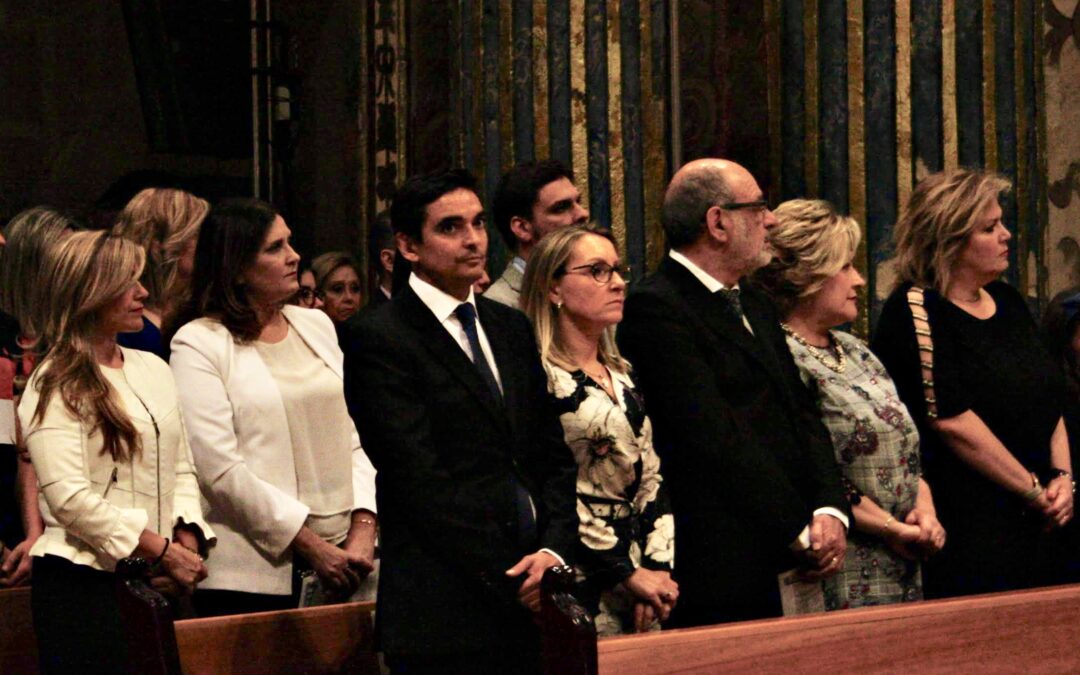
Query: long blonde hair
x=83, y=276
x=943, y=210
x=810, y=243
x=163, y=221
x=547, y=263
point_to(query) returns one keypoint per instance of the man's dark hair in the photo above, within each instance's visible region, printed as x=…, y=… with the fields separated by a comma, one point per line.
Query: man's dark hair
x=380, y=237
x=410, y=204
x=518, y=190
x=229, y=240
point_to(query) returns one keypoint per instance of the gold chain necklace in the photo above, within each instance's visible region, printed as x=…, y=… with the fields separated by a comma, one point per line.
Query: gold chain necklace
x=602, y=379
x=836, y=364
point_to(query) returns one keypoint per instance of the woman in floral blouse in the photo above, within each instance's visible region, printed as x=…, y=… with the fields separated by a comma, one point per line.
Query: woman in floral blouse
x=573, y=293
x=814, y=284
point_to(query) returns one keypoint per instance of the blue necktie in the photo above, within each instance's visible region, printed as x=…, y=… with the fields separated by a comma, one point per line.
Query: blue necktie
x=466, y=314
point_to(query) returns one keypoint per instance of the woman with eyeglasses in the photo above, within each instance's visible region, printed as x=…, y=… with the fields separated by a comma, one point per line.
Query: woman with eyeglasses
x=307, y=296
x=573, y=292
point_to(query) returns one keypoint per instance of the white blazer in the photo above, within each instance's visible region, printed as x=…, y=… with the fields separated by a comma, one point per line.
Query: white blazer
x=243, y=452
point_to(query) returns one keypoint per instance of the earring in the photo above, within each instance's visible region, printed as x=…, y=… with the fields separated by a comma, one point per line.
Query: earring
x=558, y=305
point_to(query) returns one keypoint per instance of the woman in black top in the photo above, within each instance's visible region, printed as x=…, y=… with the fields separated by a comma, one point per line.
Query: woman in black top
x=996, y=449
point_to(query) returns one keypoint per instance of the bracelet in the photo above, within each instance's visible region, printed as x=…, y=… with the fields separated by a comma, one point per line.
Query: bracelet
x=157, y=560
x=887, y=523
x=1035, y=491
x=366, y=521
x=1058, y=473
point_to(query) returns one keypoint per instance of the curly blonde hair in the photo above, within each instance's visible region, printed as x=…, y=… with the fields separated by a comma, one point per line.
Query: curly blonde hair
x=811, y=242
x=943, y=210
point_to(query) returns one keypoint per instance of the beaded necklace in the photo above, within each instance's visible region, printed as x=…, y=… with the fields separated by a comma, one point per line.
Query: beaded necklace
x=835, y=364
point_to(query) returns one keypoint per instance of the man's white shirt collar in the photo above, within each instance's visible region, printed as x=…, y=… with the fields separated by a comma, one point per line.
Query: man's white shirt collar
x=711, y=282
x=441, y=303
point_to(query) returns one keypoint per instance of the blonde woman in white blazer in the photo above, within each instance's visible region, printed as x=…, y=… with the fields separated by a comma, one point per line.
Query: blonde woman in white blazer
x=103, y=428
x=285, y=482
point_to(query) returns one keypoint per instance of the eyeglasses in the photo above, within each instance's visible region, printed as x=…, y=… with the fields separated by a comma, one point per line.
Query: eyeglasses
x=759, y=205
x=601, y=272
x=308, y=295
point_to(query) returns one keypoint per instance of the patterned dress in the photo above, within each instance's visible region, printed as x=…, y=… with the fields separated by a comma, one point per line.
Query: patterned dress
x=877, y=446
x=622, y=504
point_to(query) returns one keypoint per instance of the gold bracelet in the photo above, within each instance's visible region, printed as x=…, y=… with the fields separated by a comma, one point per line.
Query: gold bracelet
x=1036, y=489
x=887, y=523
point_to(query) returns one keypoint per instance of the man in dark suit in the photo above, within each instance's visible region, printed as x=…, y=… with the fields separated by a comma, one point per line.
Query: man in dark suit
x=475, y=486
x=754, y=485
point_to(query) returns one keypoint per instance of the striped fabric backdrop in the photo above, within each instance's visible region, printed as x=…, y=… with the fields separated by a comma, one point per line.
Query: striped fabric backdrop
x=871, y=95
x=862, y=98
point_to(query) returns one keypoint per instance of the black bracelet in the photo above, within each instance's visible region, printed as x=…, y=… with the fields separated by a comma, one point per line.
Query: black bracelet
x=157, y=560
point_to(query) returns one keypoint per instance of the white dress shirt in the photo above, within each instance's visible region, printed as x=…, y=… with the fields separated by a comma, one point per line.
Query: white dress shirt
x=802, y=542
x=443, y=305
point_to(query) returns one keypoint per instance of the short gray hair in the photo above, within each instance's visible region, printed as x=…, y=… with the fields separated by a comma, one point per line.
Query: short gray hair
x=687, y=202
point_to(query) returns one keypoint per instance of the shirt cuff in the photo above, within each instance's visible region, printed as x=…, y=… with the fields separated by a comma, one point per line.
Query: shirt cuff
x=802, y=542
x=554, y=555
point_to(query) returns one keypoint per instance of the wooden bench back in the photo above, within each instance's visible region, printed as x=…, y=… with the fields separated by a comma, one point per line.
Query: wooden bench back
x=18, y=646
x=1034, y=631
x=332, y=639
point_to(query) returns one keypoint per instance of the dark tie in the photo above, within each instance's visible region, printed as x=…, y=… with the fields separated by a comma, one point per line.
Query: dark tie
x=729, y=300
x=466, y=314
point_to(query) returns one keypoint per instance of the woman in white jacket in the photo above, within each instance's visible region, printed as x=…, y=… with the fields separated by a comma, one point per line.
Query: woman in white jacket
x=103, y=429
x=287, y=484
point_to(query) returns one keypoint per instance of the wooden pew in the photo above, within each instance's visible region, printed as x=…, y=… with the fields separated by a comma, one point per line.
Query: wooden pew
x=18, y=647
x=1036, y=631
x=332, y=639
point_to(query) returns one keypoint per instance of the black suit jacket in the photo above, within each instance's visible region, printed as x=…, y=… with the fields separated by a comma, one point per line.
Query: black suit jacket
x=446, y=452
x=745, y=455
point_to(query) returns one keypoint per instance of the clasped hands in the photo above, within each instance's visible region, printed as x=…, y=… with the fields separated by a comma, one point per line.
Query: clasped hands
x=181, y=567
x=1055, y=503
x=828, y=545
x=918, y=537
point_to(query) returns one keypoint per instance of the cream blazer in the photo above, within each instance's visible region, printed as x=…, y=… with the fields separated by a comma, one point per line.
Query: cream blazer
x=95, y=508
x=240, y=440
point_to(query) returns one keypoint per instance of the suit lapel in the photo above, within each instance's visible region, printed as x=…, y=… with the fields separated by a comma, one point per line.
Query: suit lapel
x=447, y=351
x=706, y=307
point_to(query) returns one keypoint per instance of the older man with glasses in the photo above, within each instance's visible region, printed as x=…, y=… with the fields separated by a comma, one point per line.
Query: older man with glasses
x=754, y=485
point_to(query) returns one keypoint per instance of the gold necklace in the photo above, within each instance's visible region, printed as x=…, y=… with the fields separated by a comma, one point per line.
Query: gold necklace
x=602, y=379
x=836, y=364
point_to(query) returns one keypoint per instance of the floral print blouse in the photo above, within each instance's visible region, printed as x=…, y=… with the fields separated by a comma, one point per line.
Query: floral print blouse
x=622, y=504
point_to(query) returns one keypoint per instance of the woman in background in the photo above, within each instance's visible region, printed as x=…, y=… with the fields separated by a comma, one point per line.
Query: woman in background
x=102, y=426
x=573, y=292
x=165, y=223
x=280, y=462
x=814, y=284
x=22, y=295
x=994, y=441
x=337, y=279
